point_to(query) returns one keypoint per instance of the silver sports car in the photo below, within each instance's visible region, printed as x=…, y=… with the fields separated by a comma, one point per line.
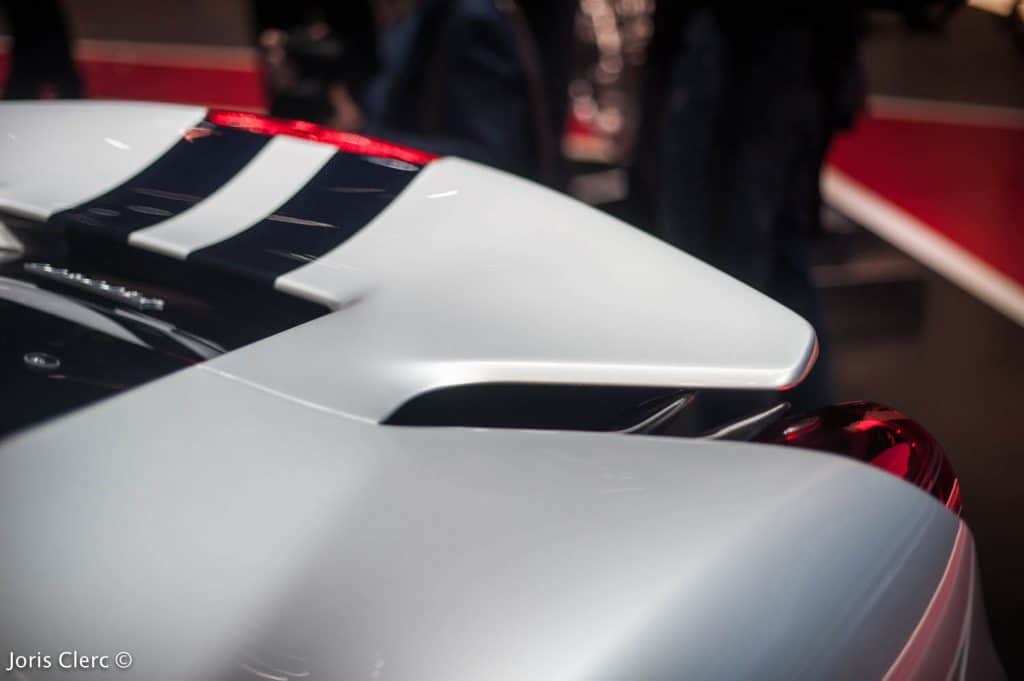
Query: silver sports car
x=281, y=402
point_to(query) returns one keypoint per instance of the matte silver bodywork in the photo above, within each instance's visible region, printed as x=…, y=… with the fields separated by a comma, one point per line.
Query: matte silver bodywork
x=198, y=517
x=253, y=507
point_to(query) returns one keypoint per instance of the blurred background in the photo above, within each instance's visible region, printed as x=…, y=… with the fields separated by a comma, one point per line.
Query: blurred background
x=915, y=251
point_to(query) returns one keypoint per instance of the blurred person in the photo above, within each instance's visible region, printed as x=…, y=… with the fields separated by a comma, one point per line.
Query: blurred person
x=462, y=77
x=552, y=23
x=740, y=105
x=41, y=64
x=318, y=57
x=459, y=77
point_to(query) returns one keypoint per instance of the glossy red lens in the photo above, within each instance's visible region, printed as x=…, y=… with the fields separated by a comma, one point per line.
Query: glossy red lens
x=345, y=141
x=880, y=436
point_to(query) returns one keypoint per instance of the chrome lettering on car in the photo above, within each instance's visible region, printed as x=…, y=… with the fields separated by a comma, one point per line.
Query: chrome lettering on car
x=98, y=287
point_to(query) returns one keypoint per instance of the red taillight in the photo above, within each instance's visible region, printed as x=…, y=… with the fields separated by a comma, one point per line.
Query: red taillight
x=345, y=141
x=877, y=435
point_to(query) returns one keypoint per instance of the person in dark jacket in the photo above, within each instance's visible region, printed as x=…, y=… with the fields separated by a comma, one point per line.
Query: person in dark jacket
x=318, y=56
x=41, y=63
x=456, y=79
x=740, y=105
x=551, y=24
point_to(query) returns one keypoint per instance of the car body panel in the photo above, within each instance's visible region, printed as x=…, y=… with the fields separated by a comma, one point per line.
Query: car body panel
x=273, y=176
x=450, y=286
x=255, y=506
x=60, y=154
x=217, y=515
x=951, y=639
